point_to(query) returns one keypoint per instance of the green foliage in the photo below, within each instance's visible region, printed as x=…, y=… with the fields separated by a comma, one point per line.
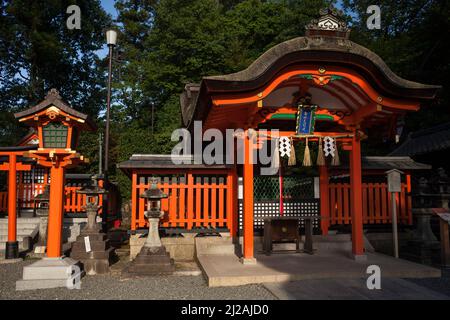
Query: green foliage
x=164, y=44
x=38, y=52
x=168, y=43
x=413, y=43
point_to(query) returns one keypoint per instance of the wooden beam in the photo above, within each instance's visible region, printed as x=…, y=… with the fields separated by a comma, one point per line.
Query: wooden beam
x=12, y=199
x=55, y=215
x=248, y=200
x=324, y=199
x=356, y=200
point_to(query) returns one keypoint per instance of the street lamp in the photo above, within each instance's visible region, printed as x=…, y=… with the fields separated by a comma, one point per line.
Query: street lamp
x=111, y=40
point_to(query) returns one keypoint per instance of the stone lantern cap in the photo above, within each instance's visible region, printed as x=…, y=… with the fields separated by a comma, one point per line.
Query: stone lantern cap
x=154, y=193
x=93, y=189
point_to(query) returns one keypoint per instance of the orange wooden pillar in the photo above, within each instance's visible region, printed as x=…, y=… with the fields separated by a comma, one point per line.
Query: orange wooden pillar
x=12, y=245
x=324, y=199
x=12, y=199
x=356, y=201
x=232, y=199
x=248, y=254
x=55, y=216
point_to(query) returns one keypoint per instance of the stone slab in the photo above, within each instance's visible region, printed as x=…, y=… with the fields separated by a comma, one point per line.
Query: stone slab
x=50, y=268
x=51, y=273
x=229, y=271
x=180, y=249
x=354, y=289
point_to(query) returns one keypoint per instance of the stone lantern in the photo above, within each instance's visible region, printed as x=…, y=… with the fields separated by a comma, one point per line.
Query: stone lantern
x=41, y=205
x=92, y=247
x=153, y=259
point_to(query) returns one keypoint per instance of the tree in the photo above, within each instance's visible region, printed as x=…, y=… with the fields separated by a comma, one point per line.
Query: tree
x=38, y=52
x=413, y=42
x=168, y=43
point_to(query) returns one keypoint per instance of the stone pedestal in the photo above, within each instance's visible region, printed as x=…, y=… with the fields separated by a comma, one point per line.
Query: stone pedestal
x=95, y=258
x=153, y=259
x=424, y=246
x=51, y=273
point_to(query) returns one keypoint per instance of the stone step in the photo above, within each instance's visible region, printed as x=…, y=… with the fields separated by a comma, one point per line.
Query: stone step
x=214, y=246
x=20, y=236
x=20, y=230
x=95, y=245
x=80, y=255
x=20, y=220
x=20, y=226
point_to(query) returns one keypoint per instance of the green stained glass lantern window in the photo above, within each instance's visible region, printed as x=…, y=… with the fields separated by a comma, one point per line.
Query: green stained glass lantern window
x=55, y=135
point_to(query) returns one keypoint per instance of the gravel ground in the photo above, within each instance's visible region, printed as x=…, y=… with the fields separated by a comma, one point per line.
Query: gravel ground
x=112, y=287
x=148, y=288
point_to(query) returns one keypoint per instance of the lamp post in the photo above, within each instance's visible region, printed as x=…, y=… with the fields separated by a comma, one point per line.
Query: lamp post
x=111, y=40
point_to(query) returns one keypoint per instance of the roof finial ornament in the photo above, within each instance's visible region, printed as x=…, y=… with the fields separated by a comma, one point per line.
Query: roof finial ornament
x=330, y=23
x=53, y=93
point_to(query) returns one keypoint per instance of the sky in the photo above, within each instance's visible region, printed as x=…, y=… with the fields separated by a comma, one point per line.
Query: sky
x=108, y=5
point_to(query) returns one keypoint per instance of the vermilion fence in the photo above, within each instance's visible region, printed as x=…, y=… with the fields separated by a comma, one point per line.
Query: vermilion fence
x=193, y=202
x=376, y=204
x=73, y=203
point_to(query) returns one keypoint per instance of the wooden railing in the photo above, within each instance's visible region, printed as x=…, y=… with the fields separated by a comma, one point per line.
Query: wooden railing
x=192, y=202
x=376, y=204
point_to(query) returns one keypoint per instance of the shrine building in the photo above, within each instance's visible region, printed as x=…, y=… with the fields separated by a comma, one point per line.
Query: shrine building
x=325, y=95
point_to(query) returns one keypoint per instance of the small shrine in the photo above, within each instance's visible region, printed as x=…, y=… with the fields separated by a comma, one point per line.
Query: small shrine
x=58, y=126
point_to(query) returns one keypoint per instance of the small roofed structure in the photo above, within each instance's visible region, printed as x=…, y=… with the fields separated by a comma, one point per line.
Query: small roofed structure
x=56, y=106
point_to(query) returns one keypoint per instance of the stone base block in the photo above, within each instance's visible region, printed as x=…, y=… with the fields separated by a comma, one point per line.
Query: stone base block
x=83, y=255
x=96, y=266
x=51, y=273
x=150, y=262
x=248, y=261
x=97, y=260
x=180, y=249
x=359, y=257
